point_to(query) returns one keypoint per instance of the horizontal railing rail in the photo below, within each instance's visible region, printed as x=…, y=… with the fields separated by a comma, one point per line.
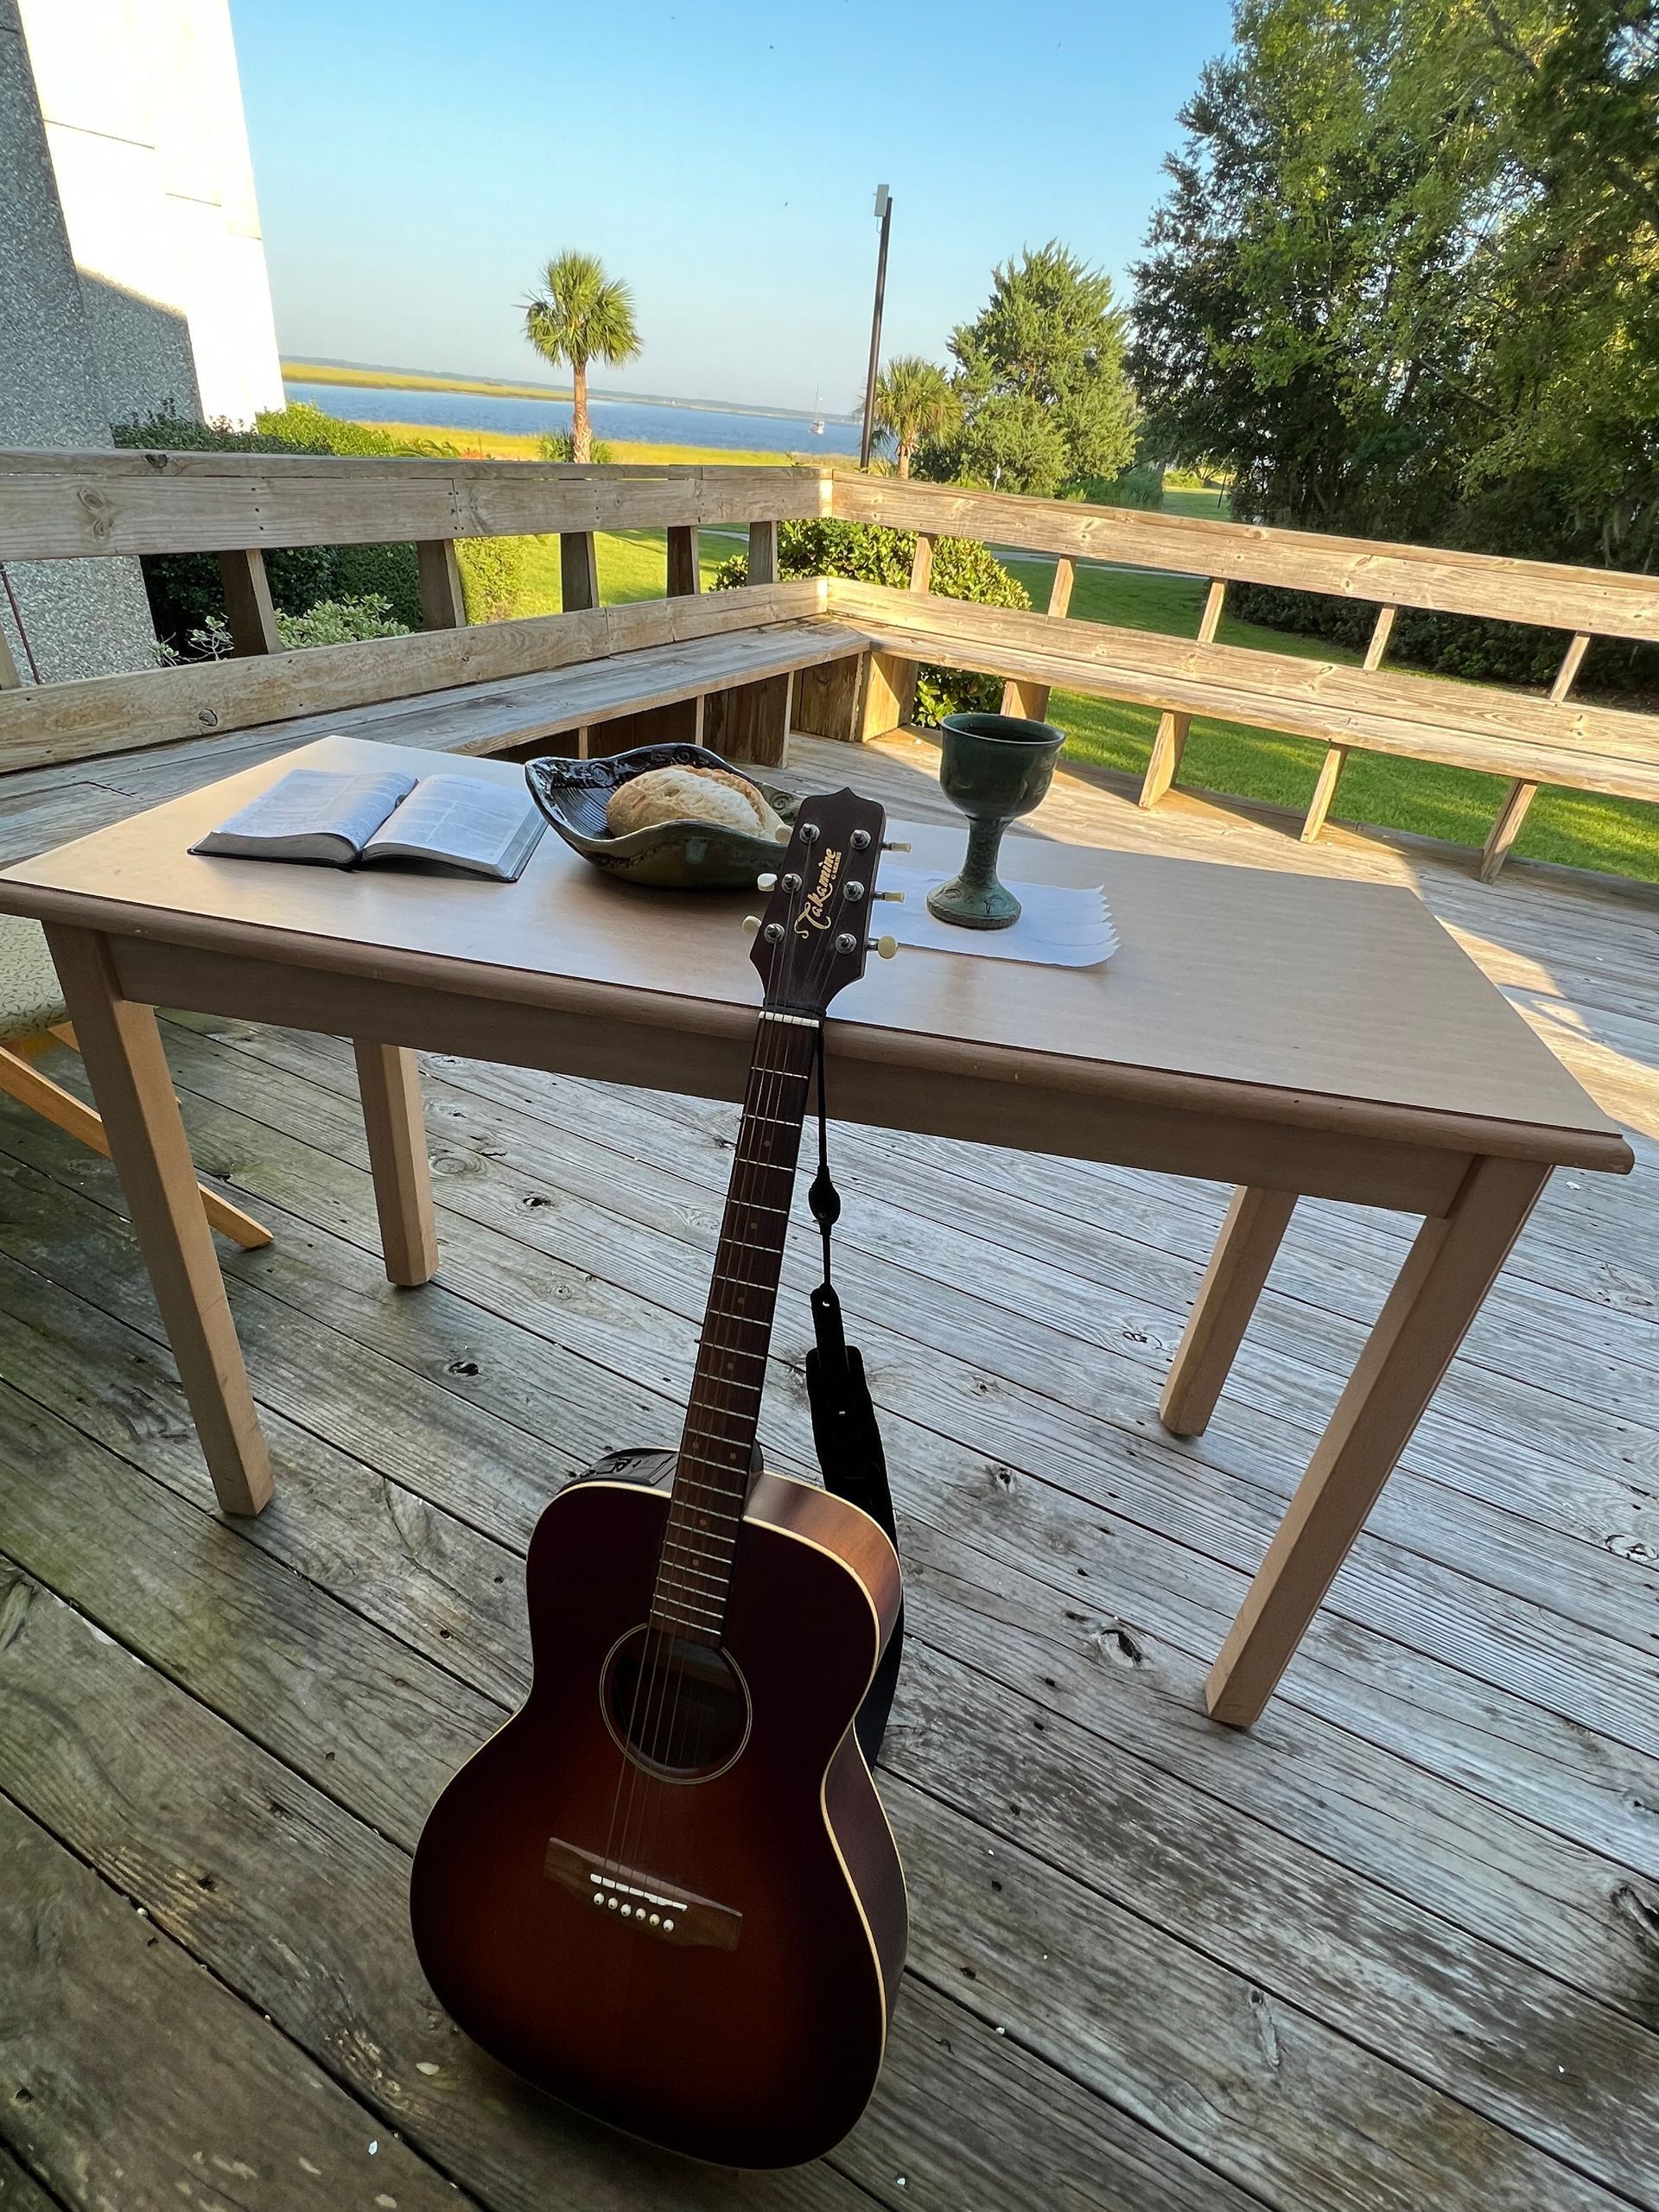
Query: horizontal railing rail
x=44, y=723
x=63, y=506
x=57, y=507
x=1605, y=602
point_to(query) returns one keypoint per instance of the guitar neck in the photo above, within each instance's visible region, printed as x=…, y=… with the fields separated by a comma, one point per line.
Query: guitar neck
x=716, y=1450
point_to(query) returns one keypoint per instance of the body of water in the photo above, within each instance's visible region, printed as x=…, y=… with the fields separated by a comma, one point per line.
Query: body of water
x=641, y=421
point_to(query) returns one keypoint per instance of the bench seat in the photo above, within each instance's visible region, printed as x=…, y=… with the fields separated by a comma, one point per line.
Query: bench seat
x=734, y=687
x=519, y=711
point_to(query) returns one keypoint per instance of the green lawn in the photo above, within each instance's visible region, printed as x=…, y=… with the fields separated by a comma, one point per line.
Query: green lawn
x=1568, y=826
x=632, y=564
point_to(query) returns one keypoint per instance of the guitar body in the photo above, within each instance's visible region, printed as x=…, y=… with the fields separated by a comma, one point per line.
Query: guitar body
x=742, y=2016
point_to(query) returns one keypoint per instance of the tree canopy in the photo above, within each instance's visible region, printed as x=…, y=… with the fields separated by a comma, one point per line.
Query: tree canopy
x=579, y=315
x=1044, y=399
x=1405, y=279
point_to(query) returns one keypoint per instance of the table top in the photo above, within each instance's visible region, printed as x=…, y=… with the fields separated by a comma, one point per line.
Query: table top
x=1310, y=999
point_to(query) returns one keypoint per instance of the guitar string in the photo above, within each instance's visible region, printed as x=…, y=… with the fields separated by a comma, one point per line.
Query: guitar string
x=660, y=1673
x=679, y=1747
x=656, y=1665
x=773, y=1073
x=657, y=1637
x=660, y=1678
x=807, y=988
x=670, y=1749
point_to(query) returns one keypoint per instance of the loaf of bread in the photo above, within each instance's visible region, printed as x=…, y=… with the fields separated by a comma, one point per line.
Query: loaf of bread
x=691, y=795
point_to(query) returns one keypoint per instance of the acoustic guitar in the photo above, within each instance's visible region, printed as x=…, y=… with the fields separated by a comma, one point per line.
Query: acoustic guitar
x=666, y=1892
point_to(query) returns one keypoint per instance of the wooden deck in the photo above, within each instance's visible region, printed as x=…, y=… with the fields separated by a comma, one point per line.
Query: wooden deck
x=1399, y=1947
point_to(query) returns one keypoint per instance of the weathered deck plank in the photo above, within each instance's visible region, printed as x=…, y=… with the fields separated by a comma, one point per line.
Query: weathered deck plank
x=253, y=1870
x=106, y=2020
x=382, y=1402
x=1208, y=2039
x=331, y=1510
x=1161, y=1484
x=1515, y=1753
x=20, y=2191
x=1400, y=1946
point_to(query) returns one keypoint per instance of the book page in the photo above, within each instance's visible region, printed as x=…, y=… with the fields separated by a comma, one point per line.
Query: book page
x=311, y=803
x=464, y=821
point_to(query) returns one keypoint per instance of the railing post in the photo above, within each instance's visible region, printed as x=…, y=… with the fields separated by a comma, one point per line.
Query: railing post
x=684, y=577
x=1029, y=702
x=763, y=552
x=443, y=600
x=578, y=570
x=889, y=689
x=1336, y=756
x=1171, y=741
x=1517, y=800
x=247, y=603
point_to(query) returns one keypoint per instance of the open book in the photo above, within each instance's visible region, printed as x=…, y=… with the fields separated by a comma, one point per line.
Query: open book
x=463, y=822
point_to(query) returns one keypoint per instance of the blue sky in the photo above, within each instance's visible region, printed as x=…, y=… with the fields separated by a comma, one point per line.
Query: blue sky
x=416, y=159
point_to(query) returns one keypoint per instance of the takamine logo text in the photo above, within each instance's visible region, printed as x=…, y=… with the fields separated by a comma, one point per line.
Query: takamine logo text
x=813, y=914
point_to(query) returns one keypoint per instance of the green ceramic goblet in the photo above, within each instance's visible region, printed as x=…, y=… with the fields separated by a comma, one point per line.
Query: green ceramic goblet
x=995, y=768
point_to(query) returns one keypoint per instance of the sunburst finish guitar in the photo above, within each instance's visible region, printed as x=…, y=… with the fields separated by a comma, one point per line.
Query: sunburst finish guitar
x=666, y=1892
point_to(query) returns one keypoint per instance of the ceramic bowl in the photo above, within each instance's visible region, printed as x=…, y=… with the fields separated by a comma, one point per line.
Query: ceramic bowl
x=669, y=856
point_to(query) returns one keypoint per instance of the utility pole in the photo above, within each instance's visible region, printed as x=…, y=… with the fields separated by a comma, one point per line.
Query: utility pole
x=884, y=216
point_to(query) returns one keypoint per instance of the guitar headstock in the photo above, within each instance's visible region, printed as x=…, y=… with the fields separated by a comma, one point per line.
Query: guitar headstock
x=813, y=937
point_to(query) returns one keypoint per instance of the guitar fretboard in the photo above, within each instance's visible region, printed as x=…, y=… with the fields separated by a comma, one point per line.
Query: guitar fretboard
x=717, y=1448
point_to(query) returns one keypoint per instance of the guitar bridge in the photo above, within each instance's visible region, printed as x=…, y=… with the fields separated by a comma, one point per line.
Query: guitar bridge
x=670, y=1914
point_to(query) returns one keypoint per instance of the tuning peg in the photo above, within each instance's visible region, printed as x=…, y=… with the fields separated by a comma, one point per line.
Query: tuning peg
x=894, y=847
x=766, y=883
x=897, y=895
x=884, y=947
x=751, y=923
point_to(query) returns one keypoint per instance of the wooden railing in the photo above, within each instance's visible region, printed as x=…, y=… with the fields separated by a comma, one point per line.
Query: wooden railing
x=1583, y=604
x=75, y=506
x=57, y=506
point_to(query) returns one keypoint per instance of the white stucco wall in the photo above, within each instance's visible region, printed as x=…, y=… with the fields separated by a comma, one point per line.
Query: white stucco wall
x=143, y=108
x=59, y=619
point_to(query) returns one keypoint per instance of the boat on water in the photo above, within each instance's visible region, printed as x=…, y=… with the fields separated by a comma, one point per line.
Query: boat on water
x=817, y=413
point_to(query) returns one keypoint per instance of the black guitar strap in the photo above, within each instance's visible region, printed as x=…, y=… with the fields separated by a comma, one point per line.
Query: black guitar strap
x=844, y=1428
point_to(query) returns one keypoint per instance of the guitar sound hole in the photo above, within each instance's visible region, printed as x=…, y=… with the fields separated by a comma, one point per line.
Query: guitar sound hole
x=678, y=1708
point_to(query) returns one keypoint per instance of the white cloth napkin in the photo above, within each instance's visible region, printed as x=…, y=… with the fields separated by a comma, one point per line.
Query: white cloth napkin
x=1059, y=926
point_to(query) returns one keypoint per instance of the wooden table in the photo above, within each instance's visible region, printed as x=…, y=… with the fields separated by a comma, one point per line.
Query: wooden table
x=1292, y=1035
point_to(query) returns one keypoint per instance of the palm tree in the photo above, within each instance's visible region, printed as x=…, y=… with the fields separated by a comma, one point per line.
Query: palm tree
x=581, y=314
x=914, y=403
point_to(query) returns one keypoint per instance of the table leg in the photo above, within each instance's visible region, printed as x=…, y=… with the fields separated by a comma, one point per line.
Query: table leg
x=1450, y=1266
x=1251, y=1236
x=122, y=1048
x=390, y=1080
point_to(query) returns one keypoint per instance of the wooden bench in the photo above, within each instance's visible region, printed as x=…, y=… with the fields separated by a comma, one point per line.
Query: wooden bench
x=734, y=670
x=716, y=667
x=1529, y=740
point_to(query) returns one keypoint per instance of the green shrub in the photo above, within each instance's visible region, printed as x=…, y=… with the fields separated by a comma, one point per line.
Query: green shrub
x=868, y=553
x=185, y=590
x=1450, y=644
x=341, y=622
x=492, y=576
x=1140, y=486
x=560, y=445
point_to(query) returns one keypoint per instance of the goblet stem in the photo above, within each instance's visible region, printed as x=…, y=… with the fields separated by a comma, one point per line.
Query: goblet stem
x=979, y=862
x=975, y=899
